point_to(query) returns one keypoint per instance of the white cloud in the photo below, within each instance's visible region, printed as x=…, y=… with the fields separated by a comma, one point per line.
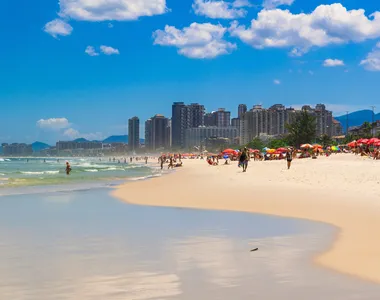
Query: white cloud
x=372, y=61
x=58, y=27
x=91, y=51
x=196, y=41
x=108, y=10
x=333, y=63
x=242, y=3
x=73, y=134
x=219, y=9
x=326, y=25
x=276, y=81
x=109, y=50
x=270, y=4
x=53, y=123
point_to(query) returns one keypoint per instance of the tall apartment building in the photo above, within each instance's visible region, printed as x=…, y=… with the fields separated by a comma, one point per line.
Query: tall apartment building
x=222, y=118
x=17, y=149
x=184, y=117
x=272, y=121
x=197, y=136
x=157, y=133
x=242, y=109
x=133, y=134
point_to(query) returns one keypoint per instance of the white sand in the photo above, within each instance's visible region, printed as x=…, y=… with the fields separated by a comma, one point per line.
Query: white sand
x=343, y=190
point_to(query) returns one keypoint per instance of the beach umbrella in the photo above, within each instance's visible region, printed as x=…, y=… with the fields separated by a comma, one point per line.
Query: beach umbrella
x=254, y=151
x=229, y=151
x=373, y=141
x=352, y=144
x=363, y=141
x=282, y=149
x=306, y=146
x=271, y=151
x=377, y=144
x=317, y=146
x=266, y=149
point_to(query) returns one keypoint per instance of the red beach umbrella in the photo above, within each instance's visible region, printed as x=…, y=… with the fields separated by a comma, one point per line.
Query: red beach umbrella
x=282, y=149
x=363, y=141
x=229, y=151
x=373, y=141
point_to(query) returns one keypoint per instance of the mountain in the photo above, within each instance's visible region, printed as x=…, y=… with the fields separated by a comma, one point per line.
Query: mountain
x=357, y=118
x=119, y=139
x=80, y=140
x=38, y=146
x=116, y=139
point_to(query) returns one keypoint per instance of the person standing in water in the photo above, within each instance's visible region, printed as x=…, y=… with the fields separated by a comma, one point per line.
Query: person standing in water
x=289, y=157
x=68, y=168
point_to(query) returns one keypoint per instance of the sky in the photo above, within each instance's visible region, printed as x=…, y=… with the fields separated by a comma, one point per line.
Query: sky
x=79, y=68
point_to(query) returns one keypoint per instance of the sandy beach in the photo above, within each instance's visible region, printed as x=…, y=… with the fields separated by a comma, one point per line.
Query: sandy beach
x=342, y=190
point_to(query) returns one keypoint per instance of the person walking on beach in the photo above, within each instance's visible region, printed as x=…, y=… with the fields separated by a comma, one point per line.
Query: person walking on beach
x=289, y=157
x=171, y=165
x=243, y=160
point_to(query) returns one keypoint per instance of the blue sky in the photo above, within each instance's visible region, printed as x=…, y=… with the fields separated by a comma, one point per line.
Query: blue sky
x=83, y=70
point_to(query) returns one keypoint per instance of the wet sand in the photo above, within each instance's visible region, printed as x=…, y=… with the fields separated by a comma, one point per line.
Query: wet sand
x=342, y=190
x=86, y=245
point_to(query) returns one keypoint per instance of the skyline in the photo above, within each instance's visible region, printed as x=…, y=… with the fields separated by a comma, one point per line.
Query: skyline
x=96, y=68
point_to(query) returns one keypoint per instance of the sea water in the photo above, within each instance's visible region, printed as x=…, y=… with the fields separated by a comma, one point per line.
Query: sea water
x=86, y=245
x=22, y=172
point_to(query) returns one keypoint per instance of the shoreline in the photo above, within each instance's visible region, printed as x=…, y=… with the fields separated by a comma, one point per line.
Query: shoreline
x=340, y=191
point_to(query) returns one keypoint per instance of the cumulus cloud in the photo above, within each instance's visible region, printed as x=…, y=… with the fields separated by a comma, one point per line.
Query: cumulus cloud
x=372, y=61
x=108, y=10
x=53, y=123
x=333, y=63
x=109, y=50
x=58, y=27
x=326, y=25
x=196, y=41
x=276, y=81
x=219, y=9
x=270, y=4
x=242, y=3
x=90, y=50
x=72, y=134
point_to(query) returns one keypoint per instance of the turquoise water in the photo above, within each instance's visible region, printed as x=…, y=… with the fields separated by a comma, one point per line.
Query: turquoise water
x=16, y=172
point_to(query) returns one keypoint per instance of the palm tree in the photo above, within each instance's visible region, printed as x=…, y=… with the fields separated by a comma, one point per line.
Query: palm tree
x=302, y=130
x=367, y=129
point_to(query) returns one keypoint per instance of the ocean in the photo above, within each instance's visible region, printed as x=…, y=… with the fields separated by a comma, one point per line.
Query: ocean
x=32, y=172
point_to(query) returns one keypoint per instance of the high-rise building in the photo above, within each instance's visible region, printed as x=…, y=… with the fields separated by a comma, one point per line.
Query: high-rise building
x=209, y=120
x=222, y=117
x=179, y=123
x=196, y=137
x=183, y=117
x=134, y=134
x=157, y=133
x=16, y=149
x=242, y=109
